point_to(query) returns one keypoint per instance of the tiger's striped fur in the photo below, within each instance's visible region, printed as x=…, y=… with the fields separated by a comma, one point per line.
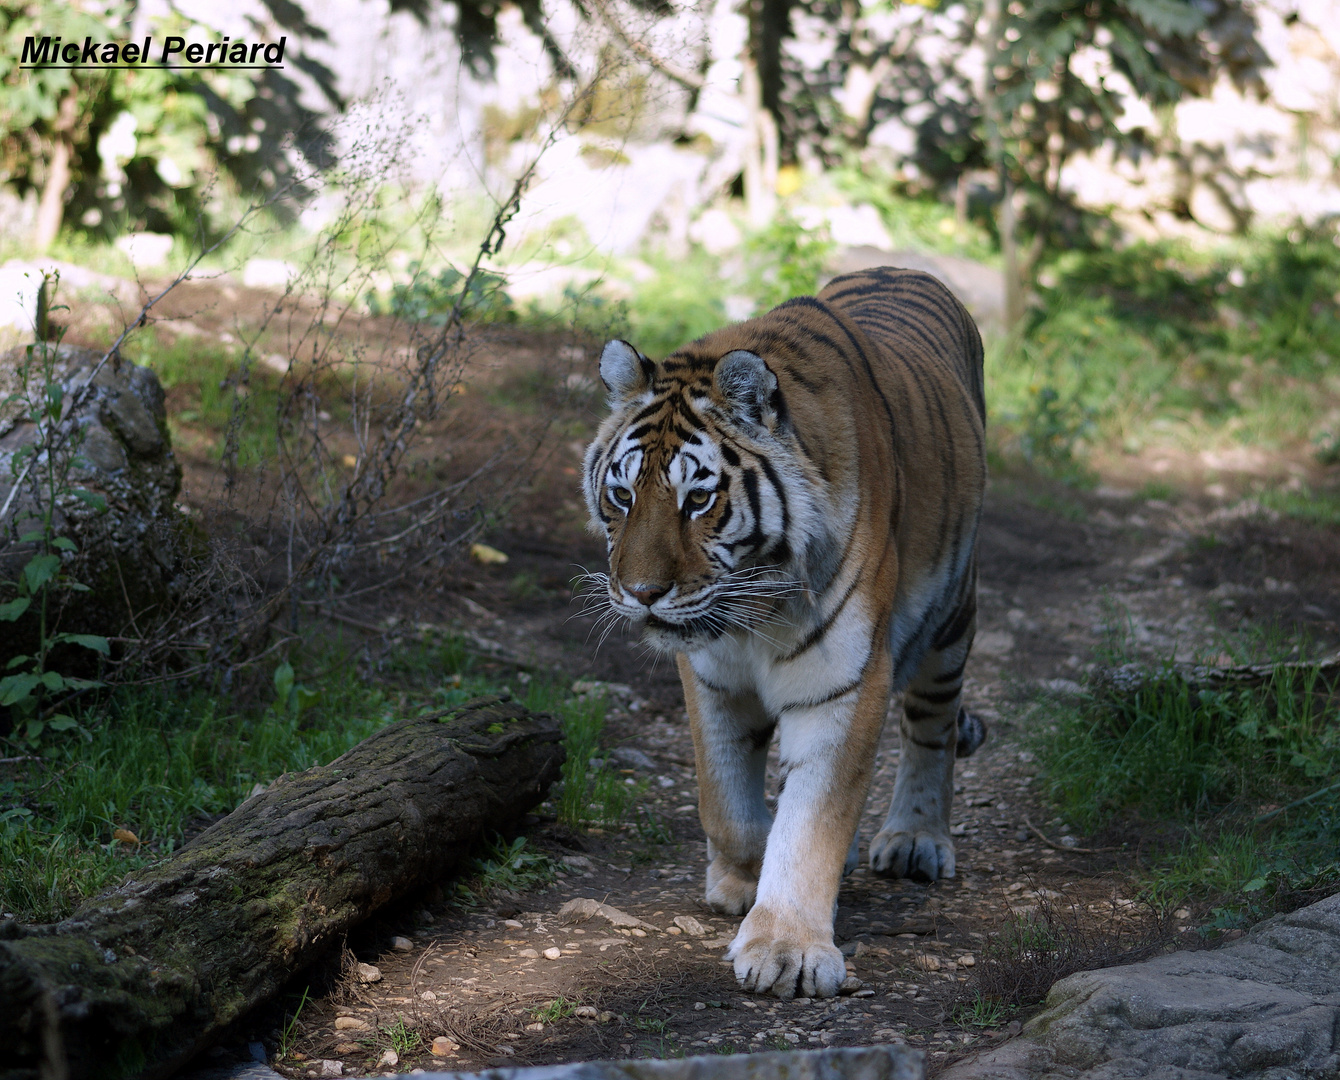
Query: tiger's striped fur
x=791, y=507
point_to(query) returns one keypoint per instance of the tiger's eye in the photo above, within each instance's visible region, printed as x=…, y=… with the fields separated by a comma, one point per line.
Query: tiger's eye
x=699, y=498
x=621, y=495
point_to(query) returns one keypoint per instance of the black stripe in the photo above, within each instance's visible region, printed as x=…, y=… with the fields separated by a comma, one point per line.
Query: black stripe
x=812, y=638
x=826, y=698
x=936, y=697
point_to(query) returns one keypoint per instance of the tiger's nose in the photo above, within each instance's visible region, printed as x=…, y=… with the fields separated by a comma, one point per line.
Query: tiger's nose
x=649, y=594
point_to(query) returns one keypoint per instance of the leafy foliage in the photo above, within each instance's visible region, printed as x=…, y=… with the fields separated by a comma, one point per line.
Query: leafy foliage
x=430, y=298
x=147, y=141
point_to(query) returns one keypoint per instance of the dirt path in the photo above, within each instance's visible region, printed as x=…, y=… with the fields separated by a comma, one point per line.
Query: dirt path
x=510, y=983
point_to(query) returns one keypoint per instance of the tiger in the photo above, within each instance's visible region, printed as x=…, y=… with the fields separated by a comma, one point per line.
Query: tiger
x=790, y=506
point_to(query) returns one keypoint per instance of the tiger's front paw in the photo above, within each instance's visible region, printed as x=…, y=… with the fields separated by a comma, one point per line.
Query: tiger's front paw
x=919, y=855
x=731, y=888
x=784, y=957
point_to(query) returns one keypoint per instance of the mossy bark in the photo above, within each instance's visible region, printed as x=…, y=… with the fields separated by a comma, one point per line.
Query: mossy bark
x=146, y=974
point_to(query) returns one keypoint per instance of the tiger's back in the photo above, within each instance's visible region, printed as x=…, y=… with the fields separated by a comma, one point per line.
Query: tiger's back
x=791, y=506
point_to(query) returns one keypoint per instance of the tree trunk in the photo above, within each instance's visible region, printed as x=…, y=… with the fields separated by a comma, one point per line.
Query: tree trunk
x=1014, y=293
x=147, y=974
x=51, y=208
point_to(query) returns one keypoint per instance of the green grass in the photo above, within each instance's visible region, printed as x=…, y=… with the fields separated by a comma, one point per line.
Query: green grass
x=160, y=764
x=557, y=1009
x=1162, y=344
x=593, y=793
x=1240, y=783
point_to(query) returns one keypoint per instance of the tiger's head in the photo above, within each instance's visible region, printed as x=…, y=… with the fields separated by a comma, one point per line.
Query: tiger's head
x=695, y=483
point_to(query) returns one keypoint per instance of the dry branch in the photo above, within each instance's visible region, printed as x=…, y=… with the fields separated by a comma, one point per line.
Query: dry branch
x=144, y=976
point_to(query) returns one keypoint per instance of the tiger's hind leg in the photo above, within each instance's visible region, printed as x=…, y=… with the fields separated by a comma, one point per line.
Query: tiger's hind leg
x=915, y=841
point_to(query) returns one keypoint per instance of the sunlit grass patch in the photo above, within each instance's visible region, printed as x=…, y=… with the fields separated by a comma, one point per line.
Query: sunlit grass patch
x=1241, y=782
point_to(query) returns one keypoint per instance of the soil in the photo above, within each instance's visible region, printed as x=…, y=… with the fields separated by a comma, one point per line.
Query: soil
x=506, y=982
x=502, y=981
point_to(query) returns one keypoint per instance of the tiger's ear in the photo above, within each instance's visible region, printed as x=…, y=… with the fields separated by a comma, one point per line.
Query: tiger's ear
x=624, y=371
x=743, y=379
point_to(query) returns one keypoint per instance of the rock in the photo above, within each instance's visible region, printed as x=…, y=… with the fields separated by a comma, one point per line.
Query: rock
x=926, y=962
x=584, y=908
x=347, y=1048
x=850, y=985
x=369, y=973
x=1264, y=1007
x=886, y=1062
x=133, y=557
x=403, y=944
x=552, y=953
x=690, y=926
x=529, y=954
x=390, y=1059
x=631, y=758
x=586, y=1012
x=351, y=1023
x=427, y=995
x=331, y=1068
x=444, y=1047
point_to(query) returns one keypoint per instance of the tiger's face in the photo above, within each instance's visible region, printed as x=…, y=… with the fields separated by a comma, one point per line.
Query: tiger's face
x=694, y=520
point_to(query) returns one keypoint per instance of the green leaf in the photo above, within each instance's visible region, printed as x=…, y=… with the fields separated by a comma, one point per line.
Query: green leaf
x=64, y=544
x=14, y=608
x=284, y=682
x=40, y=570
x=62, y=723
x=53, y=681
x=304, y=699
x=91, y=499
x=35, y=536
x=17, y=661
x=35, y=730
x=73, y=683
x=16, y=688
x=89, y=641
x=55, y=397
x=77, y=586
x=1255, y=885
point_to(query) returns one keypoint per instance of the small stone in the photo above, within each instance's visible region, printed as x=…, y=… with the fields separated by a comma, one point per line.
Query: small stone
x=675, y=930
x=605, y=1017
x=515, y=924
x=926, y=962
x=864, y=993
x=428, y=995
x=331, y=1068
x=699, y=1006
x=552, y=953
x=507, y=1051
x=537, y=1026
x=1182, y=913
x=529, y=954
x=369, y=973
x=444, y=1047
x=402, y=944
x=637, y=932
x=347, y=1048
x=850, y=985
x=586, y=1012
x=690, y=926
x=350, y=1023
x=967, y=960
x=390, y=1059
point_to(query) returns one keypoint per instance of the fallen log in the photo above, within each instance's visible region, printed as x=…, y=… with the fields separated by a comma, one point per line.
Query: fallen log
x=1321, y=675
x=145, y=975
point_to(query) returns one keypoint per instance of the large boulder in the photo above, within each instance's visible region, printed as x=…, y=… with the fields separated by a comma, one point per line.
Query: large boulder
x=1266, y=1007
x=132, y=554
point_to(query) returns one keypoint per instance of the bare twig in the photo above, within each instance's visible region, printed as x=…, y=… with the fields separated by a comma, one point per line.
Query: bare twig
x=690, y=80
x=1062, y=847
